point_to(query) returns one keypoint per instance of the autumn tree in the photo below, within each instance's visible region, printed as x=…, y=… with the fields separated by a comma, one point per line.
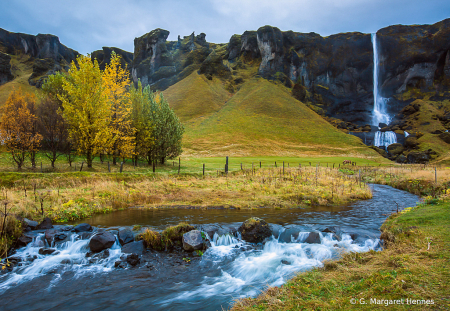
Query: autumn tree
x=86, y=108
x=18, y=128
x=53, y=129
x=115, y=82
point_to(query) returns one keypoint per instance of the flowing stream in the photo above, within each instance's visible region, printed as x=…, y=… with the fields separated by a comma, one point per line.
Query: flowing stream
x=229, y=269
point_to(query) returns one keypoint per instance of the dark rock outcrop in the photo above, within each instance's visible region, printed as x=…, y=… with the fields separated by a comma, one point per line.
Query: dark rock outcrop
x=415, y=55
x=418, y=157
x=445, y=137
x=313, y=238
x=48, y=53
x=45, y=224
x=193, y=240
x=5, y=68
x=395, y=149
x=30, y=223
x=125, y=236
x=133, y=259
x=24, y=240
x=84, y=227
x=134, y=248
x=151, y=60
x=101, y=241
x=103, y=57
x=46, y=251
x=255, y=230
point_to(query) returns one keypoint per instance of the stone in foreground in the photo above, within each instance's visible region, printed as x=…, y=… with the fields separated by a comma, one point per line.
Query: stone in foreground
x=101, y=241
x=255, y=230
x=84, y=227
x=192, y=241
x=125, y=236
x=134, y=248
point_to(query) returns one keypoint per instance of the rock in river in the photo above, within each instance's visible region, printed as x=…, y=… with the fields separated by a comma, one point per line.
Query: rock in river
x=192, y=241
x=84, y=227
x=313, y=238
x=45, y=224
x=101, y=241
x=255, y=230
x=125, y=236
x=134, y=248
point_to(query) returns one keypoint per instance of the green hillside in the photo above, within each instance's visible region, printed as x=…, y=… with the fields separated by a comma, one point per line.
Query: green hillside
x=262, y=118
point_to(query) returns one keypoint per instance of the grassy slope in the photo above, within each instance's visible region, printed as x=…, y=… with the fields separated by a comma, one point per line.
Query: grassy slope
x=406, y=269
x=260, y=119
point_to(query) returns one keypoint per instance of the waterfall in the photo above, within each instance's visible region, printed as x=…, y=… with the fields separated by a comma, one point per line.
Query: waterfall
x=380, y=114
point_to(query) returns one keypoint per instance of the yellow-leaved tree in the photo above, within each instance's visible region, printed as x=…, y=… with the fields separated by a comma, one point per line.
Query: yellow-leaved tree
x=116, y=82
x=86, y=108
x=18, y=128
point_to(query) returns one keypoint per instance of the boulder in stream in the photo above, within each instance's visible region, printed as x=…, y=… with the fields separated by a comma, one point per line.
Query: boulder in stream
x=313, y=238
x=31, y=223
x=255, y=230
x=192, y=241
x=133, y=259
x=101, y=241
x=24, y=240
x=45, y=224
x=84, y=227
x=46, y=251
x=134, y=248
x=50, y=235
x=125, y=236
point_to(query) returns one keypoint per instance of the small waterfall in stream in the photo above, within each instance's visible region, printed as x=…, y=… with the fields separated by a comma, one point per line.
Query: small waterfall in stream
x=380, y=114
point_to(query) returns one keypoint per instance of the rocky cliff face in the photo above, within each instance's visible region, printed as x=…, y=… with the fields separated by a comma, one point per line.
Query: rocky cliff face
x=161, y=63
x=336, y=71
x=48, y=53
x=5, y=68
x=103, y=57
x=413, y=56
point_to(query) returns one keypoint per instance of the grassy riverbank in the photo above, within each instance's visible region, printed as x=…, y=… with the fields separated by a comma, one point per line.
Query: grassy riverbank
x=414, y=265
x=70, y=196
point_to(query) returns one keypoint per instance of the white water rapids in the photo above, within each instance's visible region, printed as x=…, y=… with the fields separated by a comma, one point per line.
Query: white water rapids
x=242, y=266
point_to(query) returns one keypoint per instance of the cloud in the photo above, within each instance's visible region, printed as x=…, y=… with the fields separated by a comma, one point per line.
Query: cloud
x=87, y=25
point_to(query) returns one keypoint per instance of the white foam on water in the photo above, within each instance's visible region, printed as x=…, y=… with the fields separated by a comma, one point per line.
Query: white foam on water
x=273, y=265
x=69, y=256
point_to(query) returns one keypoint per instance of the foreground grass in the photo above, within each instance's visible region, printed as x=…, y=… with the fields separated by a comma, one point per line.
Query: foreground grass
x=414, y=265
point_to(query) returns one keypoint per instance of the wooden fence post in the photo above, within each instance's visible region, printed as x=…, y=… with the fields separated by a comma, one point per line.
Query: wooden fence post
x=179, y=165
x=121, y=167
x=203, y=169
x=109, y=168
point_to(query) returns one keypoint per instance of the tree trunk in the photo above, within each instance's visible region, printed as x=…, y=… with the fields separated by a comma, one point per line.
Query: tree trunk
x=163, y=160
x=89, y=159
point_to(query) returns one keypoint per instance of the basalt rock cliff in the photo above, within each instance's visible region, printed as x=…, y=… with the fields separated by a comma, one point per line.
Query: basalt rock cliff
x=333, y=75
x=48, y=53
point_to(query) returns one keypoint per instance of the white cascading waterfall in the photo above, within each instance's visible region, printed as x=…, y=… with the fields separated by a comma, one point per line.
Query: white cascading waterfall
x=380, y=114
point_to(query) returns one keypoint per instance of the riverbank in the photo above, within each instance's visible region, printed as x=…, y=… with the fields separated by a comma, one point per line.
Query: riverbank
x=414, y=265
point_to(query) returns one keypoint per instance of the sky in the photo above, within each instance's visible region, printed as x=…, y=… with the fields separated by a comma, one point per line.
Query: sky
x=88, y=25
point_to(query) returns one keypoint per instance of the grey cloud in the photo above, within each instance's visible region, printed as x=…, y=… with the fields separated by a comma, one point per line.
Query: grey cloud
x=88, y=25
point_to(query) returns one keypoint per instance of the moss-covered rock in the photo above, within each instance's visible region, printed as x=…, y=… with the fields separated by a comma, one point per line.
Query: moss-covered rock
x=395, y=149
x=255, y=230
x=213, y=66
